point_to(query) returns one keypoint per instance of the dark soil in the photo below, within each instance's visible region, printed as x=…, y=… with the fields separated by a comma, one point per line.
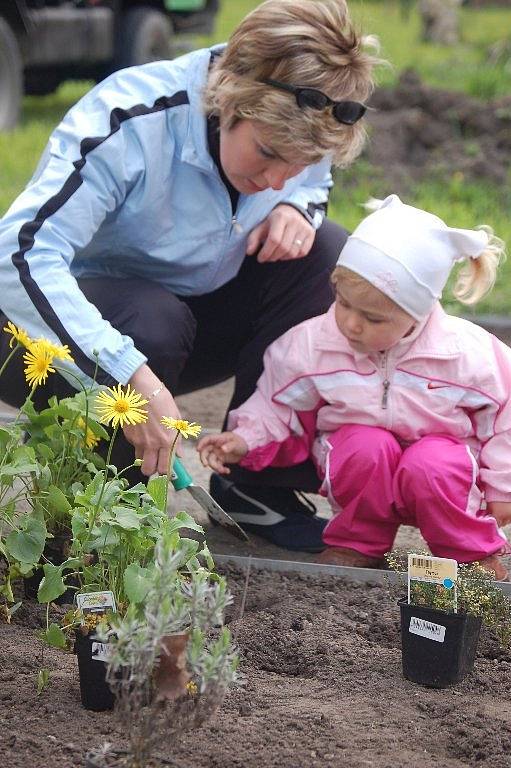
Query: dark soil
x=323, y=687
x=417, y=131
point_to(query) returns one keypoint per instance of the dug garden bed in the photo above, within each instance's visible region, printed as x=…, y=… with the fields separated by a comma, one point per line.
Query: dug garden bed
x=322, y=685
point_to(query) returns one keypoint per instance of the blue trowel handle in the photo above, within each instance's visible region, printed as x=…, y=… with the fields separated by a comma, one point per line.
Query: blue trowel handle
x=180, y=478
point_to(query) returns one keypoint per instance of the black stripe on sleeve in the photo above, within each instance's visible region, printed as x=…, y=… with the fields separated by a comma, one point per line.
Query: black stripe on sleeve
x=28, y=231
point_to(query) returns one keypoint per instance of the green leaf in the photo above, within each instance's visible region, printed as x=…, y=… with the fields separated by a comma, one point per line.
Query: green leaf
x=25, y=568
x=43, y=677
x=125, y=517
x=45, y=451
x=54, y=636
x=57, y=500
x=27, y=545
x=52, y=585
x=183, y=520
x=156, y=488
x=78, y=522
x=106, y=536
x=5, y=437
x=137, y=582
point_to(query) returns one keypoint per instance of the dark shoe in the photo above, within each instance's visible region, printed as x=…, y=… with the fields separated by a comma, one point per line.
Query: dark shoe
x=275, y=514
x=349, y=557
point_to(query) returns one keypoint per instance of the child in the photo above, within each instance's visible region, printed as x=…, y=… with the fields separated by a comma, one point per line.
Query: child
x=404, y=409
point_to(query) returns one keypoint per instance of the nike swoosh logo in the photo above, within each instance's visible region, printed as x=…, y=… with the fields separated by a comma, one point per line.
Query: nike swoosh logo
x=434, y=385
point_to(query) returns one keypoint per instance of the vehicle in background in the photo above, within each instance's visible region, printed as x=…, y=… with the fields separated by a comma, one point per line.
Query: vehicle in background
x=44, y=42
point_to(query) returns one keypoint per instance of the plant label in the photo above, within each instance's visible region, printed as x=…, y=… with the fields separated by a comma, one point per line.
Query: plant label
x=100, y=652
x=440, y=571
x=427, y=629
x=96, y=602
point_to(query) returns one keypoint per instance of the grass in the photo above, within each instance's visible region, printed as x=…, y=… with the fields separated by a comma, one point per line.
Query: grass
x=467, y=67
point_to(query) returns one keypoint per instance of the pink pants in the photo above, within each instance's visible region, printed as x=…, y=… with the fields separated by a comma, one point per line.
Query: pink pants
x=374, y=486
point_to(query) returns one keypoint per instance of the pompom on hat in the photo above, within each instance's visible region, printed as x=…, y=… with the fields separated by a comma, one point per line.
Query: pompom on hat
x=408, y=254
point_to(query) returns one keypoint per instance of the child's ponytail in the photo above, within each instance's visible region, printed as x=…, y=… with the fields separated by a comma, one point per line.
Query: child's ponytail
x=478, y=275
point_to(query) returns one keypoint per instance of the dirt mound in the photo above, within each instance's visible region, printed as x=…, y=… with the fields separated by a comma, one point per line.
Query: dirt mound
x=417, y=131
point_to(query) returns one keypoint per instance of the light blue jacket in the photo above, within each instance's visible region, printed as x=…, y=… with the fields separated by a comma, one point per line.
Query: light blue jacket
x=126, y=187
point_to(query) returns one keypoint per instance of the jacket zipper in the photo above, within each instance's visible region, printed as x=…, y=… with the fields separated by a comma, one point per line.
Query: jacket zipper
x=236, y=225
x=386, y=382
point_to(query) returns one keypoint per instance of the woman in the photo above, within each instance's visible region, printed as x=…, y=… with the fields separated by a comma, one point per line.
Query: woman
x=174, y=226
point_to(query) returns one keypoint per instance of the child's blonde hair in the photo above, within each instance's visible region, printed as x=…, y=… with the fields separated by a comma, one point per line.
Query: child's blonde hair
x=303, y=43
x=477, y=276
x=365, y=290
x=475, y=279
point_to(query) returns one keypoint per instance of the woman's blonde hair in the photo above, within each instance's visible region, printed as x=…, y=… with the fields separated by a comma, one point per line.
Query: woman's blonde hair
x=477, y=276
x=303, y=43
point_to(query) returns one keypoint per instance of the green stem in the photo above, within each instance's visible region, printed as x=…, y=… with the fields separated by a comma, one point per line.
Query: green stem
x=9, y=357
x=108, y=456
x=169, y=469
x=85, y=392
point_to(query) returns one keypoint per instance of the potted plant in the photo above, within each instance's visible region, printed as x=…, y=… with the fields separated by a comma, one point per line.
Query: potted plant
x=44, y=457
x=439, y=635
x=171, y=659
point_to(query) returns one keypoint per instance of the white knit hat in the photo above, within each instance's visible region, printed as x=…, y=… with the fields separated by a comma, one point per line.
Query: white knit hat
x=408, y=254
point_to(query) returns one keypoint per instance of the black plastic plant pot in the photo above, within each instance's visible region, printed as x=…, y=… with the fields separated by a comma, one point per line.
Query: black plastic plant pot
x=95, y=692
x=438, y=648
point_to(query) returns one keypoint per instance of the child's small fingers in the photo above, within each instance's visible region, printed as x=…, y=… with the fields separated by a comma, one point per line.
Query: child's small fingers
x=216, y=463
x=205, y=441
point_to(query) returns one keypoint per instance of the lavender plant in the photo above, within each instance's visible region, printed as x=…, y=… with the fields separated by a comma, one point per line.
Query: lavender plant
x=171, y=658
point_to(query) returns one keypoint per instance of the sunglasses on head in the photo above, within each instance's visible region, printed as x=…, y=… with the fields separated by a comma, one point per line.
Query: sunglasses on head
x=346, y=112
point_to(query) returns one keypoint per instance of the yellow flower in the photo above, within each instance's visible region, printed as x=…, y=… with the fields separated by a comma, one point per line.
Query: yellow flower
x=192, y=688
x=185, y=428
x=90, y=439
x=38, y=361
x=18, y=335
x=118, y=407
x=60, y=351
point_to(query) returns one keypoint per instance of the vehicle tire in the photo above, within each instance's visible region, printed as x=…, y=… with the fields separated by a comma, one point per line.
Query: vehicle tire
x=144, y=35
x=11, y=78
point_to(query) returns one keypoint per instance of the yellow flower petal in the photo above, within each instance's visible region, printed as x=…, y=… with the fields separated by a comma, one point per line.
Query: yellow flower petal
x=38, y=362
x=185, y=428
x=90, y=439
x=118, y=406
x=60, y=351
x=18, y=335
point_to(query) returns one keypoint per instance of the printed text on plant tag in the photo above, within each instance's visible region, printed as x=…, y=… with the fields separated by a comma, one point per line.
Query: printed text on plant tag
x=427, y=629
x=100, y=651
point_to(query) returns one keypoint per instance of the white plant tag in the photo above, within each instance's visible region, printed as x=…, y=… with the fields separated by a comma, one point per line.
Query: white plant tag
x=101, y=652
x=427, y=629
x=96, y=602
x=434, y=570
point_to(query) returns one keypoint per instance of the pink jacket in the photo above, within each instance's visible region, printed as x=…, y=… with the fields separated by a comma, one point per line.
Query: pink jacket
x=449, y=377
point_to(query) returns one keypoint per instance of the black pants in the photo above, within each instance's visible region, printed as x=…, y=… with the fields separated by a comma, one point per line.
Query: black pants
x=195, y=342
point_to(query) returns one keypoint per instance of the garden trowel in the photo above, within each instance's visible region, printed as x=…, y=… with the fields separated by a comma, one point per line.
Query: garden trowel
x=181, y=480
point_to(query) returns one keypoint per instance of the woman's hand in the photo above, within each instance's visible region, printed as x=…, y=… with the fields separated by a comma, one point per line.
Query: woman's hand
x=151, y=440
x=501, y=511
x=285, y=234
x=218, y=450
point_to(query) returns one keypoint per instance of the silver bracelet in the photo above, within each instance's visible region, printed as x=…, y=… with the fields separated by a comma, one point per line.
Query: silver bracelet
x=156, y=391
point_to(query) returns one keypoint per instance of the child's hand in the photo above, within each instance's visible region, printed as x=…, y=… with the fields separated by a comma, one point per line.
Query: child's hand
x=218, y=450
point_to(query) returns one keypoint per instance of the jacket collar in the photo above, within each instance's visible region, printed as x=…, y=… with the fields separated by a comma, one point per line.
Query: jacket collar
x=195, y=150
x=433, y=337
